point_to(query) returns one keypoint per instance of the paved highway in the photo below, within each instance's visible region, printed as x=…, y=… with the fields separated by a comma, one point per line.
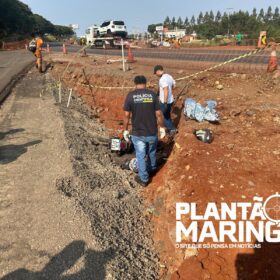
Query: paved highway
x=199, y=55
x=12, y=63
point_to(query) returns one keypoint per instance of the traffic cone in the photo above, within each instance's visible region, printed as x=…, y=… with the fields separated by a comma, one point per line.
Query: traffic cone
x=84, y=53
x=64, y=49
x=272, y=63
x=130, y=57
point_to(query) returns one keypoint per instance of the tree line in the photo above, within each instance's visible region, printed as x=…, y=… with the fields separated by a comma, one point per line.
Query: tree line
x=209, y=25
x=16, y=19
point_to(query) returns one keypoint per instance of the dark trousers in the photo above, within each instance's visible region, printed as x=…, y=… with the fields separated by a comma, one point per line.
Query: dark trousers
x=167, y=116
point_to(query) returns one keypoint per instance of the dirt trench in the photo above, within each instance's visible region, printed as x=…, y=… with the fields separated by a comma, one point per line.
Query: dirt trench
x=107, y=195
x=230, y=169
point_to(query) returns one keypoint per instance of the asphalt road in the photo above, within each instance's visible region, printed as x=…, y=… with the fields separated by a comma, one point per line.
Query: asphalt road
x=199, y=55
x=12, y=63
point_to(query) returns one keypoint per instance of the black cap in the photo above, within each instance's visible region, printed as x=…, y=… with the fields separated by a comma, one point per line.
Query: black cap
x=158, y=67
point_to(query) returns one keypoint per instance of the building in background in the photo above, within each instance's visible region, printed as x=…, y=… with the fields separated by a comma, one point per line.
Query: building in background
x=176, y=33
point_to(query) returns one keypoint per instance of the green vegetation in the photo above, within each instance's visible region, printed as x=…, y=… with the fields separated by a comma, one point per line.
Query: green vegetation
x=18, y=21
x=208, y=25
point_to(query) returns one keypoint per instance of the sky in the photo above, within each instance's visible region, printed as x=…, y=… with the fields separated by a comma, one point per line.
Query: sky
x=136, y=14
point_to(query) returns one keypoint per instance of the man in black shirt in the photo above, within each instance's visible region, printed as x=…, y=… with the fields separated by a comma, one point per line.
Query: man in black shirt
x=142, y=106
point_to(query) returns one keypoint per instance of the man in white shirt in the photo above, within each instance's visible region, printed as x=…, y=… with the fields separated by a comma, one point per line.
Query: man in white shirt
x=166, y=98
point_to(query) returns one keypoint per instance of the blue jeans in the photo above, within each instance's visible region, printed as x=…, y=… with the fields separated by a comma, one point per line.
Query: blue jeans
x=167, y=116
x=145, y=148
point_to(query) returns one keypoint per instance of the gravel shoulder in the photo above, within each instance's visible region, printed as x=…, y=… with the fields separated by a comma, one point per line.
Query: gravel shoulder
x=43, y=235
x=66, y=210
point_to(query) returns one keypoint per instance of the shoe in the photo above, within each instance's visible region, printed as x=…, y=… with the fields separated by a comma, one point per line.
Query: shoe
x=140, y=182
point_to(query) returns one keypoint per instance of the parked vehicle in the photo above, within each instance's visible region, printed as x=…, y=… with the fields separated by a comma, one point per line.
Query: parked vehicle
x=112, y=28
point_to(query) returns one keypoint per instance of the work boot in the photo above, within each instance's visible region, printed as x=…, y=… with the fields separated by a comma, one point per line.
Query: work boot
x=140, y=182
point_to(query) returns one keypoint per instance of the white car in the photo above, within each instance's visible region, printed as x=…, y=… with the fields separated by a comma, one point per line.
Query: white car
x=112, y=28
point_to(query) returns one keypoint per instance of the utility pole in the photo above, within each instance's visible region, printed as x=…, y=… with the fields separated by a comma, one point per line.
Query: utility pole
x=229, y=9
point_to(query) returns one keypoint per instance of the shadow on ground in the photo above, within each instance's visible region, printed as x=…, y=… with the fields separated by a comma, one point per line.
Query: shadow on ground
x=94, y=265
x=47, y=67
x=263, y=264
x=10, y=153
x=3, y=135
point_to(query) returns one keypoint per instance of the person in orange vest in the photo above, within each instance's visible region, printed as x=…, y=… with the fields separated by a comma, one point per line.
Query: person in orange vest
x=38, y=53
x=272, y=63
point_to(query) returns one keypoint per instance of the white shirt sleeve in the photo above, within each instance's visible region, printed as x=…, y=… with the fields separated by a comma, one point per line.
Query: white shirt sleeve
x=163, y=82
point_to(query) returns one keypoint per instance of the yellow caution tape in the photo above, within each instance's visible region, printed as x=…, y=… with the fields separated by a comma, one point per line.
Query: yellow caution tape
x=221, y=64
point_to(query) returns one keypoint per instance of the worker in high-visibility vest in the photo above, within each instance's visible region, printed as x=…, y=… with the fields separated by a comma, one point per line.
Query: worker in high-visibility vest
x=272, y=63
x=239, y=38
x=262, y=40
x=38, y=53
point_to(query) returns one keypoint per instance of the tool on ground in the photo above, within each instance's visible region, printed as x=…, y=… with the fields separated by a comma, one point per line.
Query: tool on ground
x=204, y=135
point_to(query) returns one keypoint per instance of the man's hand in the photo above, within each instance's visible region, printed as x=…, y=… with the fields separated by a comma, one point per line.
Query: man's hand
x=126, y=135
x=162, y=132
